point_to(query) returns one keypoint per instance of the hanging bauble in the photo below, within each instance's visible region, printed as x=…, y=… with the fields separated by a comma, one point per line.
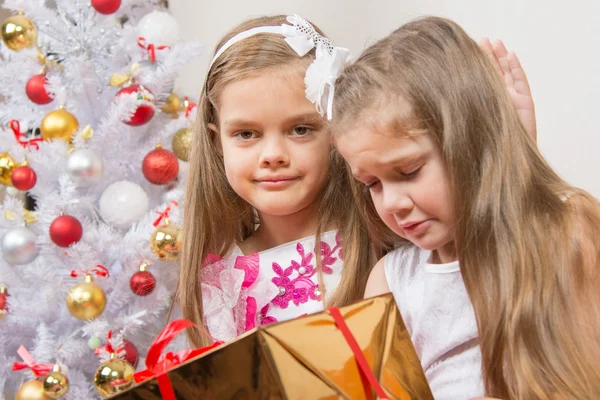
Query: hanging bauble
x=86, y=300
x=113, y=376
x=159, y=28
x=66, y=230
x=131, y=353
x=7, y=165
x=3, y=301
x=145, y=111
x=85, y=167
x=166, y=242
x=172, y=105
x=142, y=282
x=94, y=342
x=23, y=177
x=59, y=124
x=106, y=7
x=160, y=166
x=19, y=246
x=36, y=89
x=56, y=384
x=18, y=32
x=123, y=203
x=32, y=390
x=182, y=143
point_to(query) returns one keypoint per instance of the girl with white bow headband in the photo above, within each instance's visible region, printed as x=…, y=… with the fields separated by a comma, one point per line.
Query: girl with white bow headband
x=271, y=228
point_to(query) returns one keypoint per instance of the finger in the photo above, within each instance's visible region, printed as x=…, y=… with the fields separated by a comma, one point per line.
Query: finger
x=501, y=55
x=486, y=45
x=518, y=73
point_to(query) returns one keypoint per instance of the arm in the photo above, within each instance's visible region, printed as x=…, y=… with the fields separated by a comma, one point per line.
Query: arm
x=508, y=65
x=377, y=283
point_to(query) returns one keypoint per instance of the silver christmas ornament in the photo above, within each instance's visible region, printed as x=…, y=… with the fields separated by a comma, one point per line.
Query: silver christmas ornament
x=85, y=167
x=19, y=247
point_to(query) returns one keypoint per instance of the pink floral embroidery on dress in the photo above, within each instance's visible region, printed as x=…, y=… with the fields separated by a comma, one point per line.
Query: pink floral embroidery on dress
x=301, y=288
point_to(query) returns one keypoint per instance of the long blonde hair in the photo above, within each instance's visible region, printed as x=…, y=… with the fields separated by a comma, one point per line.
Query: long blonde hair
x=216, y=217
x=527, y=241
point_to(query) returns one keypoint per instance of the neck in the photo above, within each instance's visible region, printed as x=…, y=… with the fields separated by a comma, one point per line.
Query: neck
x=444, y=255
x=275, y=230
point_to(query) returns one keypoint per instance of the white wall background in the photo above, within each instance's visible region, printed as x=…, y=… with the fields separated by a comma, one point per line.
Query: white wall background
x=558, y=43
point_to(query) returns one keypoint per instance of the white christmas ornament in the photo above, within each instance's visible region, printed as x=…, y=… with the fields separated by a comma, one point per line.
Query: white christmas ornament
x=19, y=247
x=123, y=203
x=159, y=28
x=85, y=167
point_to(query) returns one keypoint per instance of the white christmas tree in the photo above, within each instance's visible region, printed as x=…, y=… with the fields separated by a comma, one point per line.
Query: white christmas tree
x=88, y=91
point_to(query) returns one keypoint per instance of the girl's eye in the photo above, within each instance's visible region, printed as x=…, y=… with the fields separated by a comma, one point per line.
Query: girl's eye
x=301, y=131
x=371, y=185
x=412, y=174
x=245, y=135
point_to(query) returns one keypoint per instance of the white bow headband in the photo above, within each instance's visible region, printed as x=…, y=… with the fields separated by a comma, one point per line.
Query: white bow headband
x=302, y=37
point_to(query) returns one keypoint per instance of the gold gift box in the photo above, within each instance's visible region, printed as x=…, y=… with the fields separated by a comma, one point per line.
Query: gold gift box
x=305, y=358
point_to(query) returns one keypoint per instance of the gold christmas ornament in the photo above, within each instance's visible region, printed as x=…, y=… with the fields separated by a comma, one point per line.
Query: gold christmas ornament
x=86, y=300
x=59, y=124
x=166, y=242
x=18, y=32
x=172, y=105
x=32, y=390
x=56, y=383
x=7, y=164
x=182, y=143
x=113, y=376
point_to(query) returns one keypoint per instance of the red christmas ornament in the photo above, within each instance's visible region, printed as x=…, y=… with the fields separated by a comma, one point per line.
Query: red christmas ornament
x=3, y=301
x=160, y=166
x=23, y=178
x=65, y=230
x=106, y=7
x=142, y=282
x=131, y=353
x=144, y=112
x=36, y=90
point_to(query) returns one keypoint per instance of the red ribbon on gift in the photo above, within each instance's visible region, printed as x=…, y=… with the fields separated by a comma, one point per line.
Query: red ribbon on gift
x=366, y=373
x=150, y=48
x=38, y=369
x=164, y=214
x=157, y=364
x=16, y=128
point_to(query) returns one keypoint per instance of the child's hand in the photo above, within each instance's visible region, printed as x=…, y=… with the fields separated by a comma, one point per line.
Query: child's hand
x=509, y=67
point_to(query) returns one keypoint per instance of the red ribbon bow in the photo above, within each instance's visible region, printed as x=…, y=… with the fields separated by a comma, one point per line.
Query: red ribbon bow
x=190, y=107
x=29, y=362
x=16, y=128
x=366, y=373
x=99, y=270
x=150, y=48
x=158, y=365
x=107, y=347
x=164, y=214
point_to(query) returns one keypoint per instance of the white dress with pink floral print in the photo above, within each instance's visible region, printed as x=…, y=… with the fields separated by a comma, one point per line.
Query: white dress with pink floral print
x=242, y=292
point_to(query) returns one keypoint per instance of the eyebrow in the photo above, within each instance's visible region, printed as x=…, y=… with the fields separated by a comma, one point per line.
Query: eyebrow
x=307, y=118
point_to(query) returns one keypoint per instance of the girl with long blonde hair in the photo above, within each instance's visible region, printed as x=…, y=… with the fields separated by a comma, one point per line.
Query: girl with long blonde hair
x=271, y=230
x=497, y=279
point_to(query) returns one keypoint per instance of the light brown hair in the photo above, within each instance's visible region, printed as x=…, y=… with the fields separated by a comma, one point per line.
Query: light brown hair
x=216, y=217
x=527, y=242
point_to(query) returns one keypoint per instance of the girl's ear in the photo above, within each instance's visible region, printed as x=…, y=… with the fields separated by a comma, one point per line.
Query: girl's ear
x=216, y=137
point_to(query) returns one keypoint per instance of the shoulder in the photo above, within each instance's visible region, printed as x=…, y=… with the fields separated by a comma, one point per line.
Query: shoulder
x=377, y=283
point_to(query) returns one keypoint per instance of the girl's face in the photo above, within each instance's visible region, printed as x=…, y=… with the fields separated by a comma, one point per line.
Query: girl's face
x=407, y=179
x=275, y=145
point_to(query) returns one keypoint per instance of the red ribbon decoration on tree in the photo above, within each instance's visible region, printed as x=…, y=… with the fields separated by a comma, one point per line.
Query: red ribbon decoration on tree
x=99, y=270
x=158, y=365
x=108, y=346
x=16, y=128
x=164, y=214
x=366, y=373
x=29, y=362
x=190, y=106
x=150, y=48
